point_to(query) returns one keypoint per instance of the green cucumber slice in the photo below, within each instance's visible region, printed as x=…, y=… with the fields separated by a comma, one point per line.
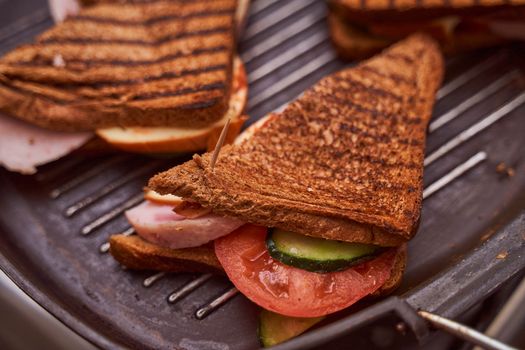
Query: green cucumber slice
x=275, y=329
x=317, y=254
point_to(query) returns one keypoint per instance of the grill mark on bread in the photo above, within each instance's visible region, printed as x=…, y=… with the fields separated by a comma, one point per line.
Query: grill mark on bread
x=22, y=90
x=199, y=105
x=145, y=79
x=152, y=20
x=141, y=97
x=98, y=62
x=349, y=85
x=388, y=120
x=396, y=117
x=401, y=56
x=385, y=138
x=105, y=31
x=392, y=76
x=160, y=41
x=353, y=154
x=157, y=94
x=116, y=52
x=383, y=162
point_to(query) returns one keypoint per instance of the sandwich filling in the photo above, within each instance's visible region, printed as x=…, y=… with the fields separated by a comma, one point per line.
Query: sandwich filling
x=24, y=146
x=275, y=269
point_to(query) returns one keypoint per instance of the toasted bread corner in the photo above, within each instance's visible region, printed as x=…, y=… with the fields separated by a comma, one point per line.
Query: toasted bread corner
x=138, y=254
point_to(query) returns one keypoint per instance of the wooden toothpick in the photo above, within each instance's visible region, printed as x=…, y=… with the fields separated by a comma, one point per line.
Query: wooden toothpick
x=219, y=144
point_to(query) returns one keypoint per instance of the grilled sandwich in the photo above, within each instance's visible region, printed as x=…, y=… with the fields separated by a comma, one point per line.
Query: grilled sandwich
x=310, y=209
x=153, y=77
x=362, y=28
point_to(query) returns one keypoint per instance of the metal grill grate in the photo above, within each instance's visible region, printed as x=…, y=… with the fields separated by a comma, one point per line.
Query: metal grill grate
x=285, y=48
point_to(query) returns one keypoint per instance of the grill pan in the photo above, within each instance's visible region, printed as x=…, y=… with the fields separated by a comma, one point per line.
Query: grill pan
x=471, y=240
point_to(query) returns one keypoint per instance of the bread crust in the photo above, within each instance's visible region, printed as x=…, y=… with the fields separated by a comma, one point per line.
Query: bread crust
x=138, y=254
x=343, y=162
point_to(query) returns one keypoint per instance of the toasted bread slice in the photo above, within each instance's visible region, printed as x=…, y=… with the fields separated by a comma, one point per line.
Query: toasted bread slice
x=354, y=42
x=138, y=254
x=125, y=64
x=342, y=162
x=170, y=140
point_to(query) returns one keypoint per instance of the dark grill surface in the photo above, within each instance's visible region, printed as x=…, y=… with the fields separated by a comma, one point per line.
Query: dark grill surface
x=55, y=224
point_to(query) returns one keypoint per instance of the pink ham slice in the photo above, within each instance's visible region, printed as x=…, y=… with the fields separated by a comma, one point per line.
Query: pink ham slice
x=24, y=146
x=159, y=224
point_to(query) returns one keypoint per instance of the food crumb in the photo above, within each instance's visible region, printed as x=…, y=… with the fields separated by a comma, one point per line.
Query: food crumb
x=58, y=61
x=178, y=229
x=503, y=169
x=328, y=137
x=488, y=235
x=502, y=255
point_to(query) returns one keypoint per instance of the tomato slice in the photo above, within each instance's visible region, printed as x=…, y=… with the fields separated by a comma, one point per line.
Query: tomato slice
x=291, y=291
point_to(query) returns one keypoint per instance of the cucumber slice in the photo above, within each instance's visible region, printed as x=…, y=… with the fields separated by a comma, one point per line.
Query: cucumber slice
x=275, y=329
x=317, y=254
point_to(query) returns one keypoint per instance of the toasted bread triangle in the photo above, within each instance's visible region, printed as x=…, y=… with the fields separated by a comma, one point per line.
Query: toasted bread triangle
x=343, y=162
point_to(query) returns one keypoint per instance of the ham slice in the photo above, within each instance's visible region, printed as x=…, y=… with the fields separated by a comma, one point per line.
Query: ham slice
x=159, y=224
x=24, y=146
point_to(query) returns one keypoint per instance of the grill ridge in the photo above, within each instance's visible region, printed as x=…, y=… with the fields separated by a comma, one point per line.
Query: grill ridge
x=92, y=172
x=101, y=220
x=476, y=128
x=476, y=98
x=470, y=74
x=262, y=47
x=284, y=12
x=112, y=186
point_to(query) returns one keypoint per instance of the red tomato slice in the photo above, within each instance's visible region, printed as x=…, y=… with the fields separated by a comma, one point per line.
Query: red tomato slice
x=291, y=291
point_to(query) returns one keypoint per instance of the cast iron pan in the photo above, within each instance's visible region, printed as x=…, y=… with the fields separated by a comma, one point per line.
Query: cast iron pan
x=470, y=239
